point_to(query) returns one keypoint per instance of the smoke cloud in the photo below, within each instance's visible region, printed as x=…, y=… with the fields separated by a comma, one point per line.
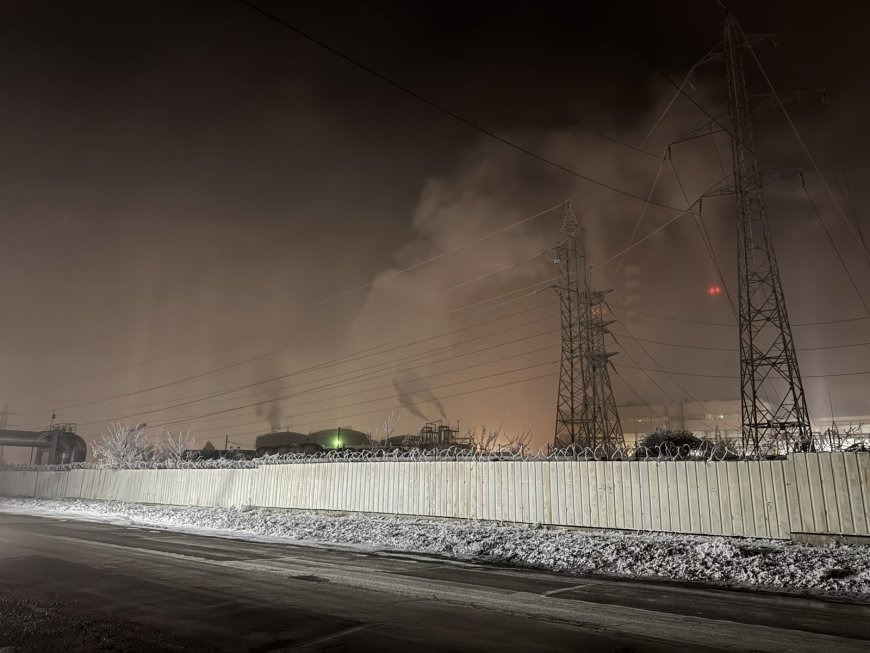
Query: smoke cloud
x=412, y=397
x=490, y=189
x=271, y=411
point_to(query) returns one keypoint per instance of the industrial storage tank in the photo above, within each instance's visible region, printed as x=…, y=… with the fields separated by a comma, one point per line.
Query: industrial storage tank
x=281, y=442
x=340, y=438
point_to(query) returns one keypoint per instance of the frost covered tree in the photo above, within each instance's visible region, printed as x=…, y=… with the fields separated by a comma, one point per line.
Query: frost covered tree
x=386, y=428
x=175, y=445
x=129, y=446
x=485, y=439
x=519, y=442
x=125, y=446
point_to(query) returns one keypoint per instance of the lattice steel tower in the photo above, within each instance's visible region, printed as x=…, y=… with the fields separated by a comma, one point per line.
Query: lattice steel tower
x=586, y=413
x=570, y=258
x=599, y=411
x=768, y=363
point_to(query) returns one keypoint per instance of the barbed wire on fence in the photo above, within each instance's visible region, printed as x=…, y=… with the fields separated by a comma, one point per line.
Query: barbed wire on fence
x=448, y=454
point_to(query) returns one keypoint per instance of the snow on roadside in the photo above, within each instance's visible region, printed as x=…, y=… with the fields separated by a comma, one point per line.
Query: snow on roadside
x=771, y=564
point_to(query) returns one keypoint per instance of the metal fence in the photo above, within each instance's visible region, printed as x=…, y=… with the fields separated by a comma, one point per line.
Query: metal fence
x=826, y=493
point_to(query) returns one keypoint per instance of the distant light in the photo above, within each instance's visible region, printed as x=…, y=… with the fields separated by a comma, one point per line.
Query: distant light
x=714, y=290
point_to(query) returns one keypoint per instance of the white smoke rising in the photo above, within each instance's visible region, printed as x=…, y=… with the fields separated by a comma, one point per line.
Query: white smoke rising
x=668, y=273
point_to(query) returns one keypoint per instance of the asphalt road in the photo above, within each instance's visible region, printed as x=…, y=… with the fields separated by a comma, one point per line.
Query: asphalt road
x=73, y=585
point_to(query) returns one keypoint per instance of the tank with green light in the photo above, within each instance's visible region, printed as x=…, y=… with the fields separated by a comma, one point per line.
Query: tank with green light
x=334, y=439
x=341, y=437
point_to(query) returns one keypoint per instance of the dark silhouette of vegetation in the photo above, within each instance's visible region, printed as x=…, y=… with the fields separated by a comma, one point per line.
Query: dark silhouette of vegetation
x=668, y=441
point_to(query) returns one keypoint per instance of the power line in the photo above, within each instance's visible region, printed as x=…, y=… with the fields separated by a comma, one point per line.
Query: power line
x=804, y=147
x=214, y=394
x=637, y=395
x=732, y=376
x=645, y=238
x=282, y=349
x=646, y=373
x=416, y=403
x=408, y=268
x=362, y=375
x=507, y=294
x=366, y=353
x=125, y=367
x=653, y=359
x=276, y=351
x=661, y=227
x=652, y=64
x=260, y=356
x=643, y=211
x=479, y=277
x=836, y=249
x=732, y=324
x=838, y=156
x=599, y=134
x=438, y=107
x=705, y=238
x=735, y=349
x=403, y=394
x=355, y=393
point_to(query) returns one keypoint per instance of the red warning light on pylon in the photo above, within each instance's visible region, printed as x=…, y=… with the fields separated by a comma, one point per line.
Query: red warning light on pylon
x=714, y=290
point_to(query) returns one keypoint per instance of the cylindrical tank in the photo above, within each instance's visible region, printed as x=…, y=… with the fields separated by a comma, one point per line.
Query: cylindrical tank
x=282, y=442
x=340, y=438
x=279, y=442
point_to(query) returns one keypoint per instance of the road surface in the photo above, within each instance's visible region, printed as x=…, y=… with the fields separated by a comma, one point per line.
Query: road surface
x=74, y=585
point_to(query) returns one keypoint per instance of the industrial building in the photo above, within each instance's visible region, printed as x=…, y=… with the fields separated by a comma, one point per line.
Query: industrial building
x=715, y=418
x=706, y=419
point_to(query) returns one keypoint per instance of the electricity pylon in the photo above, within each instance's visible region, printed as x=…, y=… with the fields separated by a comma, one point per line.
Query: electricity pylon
x=768, y=362
x=600, y=414
x=586, y=413
x=570, y=258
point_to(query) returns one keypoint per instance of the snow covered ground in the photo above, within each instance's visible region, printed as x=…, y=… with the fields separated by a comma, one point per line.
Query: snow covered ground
x=769, y=564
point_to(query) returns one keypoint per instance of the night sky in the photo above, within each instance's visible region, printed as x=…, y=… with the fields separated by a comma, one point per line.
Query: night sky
x=188, y=185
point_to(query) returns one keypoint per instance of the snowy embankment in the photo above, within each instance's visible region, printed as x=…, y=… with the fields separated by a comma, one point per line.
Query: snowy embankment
x=770, y=564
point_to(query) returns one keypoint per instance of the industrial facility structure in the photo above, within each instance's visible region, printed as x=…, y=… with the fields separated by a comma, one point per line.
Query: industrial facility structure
x=282, y=442
x=57, y=445
x=708, y=419
x=433, y=435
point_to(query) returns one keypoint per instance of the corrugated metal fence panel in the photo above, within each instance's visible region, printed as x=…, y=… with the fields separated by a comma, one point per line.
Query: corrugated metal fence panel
x=18, y=484
x=816, y=493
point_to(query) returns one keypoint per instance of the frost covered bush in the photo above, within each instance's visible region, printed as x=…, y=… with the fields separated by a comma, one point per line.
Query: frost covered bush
x=124, y=446
x=129, y=446
x=174, y=446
